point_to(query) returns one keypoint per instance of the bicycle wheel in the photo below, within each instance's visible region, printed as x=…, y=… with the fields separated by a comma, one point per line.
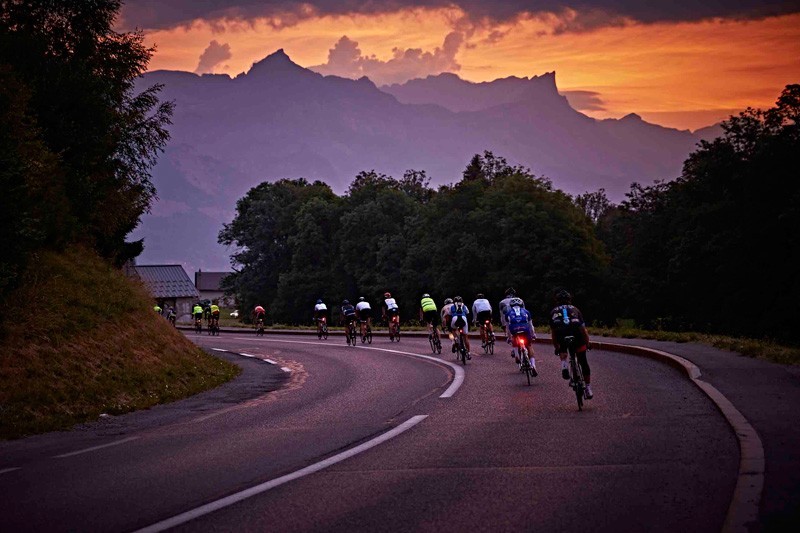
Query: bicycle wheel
x=491, y=345
x=462, y=349
x=438, y=345
x=369, y=335
x=432, y=342
x=397, y=332
x=325, y=332
x=577, y=378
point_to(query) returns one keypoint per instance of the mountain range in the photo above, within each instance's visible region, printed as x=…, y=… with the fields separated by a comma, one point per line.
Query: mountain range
x=282, y=120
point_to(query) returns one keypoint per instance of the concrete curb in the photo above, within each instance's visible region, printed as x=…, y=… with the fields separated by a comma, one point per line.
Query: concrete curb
x=743, y=509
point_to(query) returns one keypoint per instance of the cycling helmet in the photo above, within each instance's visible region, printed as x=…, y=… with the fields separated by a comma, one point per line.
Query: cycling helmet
x=448, y=301
x=361, y=299
x=387, y=295
x=515, y=302
x=511, y=292
x=426, y=295
x=346, y=302
x=458, y=299
x=563, y=297
x=479, y=296
x=319, y=301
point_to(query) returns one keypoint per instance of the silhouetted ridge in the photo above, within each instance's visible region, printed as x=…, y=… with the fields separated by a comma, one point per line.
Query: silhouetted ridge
x=277, y=64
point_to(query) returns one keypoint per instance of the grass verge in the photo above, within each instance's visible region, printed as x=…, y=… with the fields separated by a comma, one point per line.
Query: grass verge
x=80, y=339
x=760, y=349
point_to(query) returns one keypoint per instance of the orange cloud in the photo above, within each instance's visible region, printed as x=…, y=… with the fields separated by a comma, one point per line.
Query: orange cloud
x=685, y=75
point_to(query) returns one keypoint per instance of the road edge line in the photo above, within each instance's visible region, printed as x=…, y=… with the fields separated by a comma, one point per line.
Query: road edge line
x=263, y=487
x=743, y=509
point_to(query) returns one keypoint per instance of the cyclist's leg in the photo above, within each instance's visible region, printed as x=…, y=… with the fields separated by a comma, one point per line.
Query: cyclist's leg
x=584, y=366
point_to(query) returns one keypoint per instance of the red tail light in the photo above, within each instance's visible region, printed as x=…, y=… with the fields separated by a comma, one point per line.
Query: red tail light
x=521, y=340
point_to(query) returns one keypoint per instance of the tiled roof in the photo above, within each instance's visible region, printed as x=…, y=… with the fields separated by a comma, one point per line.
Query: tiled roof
x=167, y=281
x=209, y=281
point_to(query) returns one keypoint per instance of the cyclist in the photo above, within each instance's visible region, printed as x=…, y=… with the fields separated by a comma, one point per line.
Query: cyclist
x=429, y=313
x=567, y=320
x=459, y=318
x=171, y=315
x=390, y=308
x=364, y=311
x=197, y=312
x=448, y=302
x=215, y=314
x=482, y=314
x=503, y=306
x=258, y=314
x=519, y=322
x=348, y=316
x=320, y=312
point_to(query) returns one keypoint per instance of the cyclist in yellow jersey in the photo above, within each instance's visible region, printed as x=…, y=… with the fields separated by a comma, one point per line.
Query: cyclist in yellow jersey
x=429, y=313
x=215, y=313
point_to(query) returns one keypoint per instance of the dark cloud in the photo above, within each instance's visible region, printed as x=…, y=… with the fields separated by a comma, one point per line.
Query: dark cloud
x=585, y=100
x=346, y=59
x=152, y=14
x=212, y=56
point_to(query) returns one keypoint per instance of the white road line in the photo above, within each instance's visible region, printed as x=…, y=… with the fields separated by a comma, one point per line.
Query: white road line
x=458, y=379
x=270, y=361
x=248, y=355
x=258, y=489
x=93, y=448
x=285, y=369
x=219, y=350
x=6, y=470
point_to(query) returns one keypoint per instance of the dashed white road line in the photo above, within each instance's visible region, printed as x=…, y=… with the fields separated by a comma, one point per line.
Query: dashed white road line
x=258, y=489
x=270, y=361
x=458, y=378
x=285, y=369
x=219, y=350
x=6, y=470
x=247, y=355
x=93, y=448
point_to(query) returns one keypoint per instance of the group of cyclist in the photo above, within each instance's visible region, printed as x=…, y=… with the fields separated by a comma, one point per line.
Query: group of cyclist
x=208, y=311
x=566, y=321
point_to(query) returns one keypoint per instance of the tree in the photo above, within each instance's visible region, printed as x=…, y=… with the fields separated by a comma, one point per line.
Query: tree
x=70, y=78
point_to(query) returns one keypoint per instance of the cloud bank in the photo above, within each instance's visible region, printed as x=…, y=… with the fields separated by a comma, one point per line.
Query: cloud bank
x=213, y=56
x=346, y=59
x=577, y=15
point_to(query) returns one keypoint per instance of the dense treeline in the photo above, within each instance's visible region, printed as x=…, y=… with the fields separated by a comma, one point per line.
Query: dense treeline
x=716, y=249
x=76, y=144
x=498, y=226
x=713, y=250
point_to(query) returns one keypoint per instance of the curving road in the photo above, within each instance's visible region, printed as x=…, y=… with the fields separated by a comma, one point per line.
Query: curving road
x=650, y=452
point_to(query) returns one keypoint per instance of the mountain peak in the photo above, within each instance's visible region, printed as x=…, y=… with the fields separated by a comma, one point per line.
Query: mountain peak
x=632, y=117
x=277, y=61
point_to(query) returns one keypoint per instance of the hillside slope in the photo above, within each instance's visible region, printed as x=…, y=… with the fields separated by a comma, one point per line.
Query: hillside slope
x=79, y=339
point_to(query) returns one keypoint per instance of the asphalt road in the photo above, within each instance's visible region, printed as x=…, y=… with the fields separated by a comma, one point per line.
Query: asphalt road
x=650, y=452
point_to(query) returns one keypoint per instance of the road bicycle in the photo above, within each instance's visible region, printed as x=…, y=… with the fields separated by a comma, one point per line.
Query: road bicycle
x=434, y=340
x=576, y=380
x=394, y=328
x=198, y=325
x=523, y=356
x=351, y=333
x=322, y=328
x=367, y=336
x=213, y=327
x=461, y=347
x=488, y=345
x=260, y=327
x=171, y=319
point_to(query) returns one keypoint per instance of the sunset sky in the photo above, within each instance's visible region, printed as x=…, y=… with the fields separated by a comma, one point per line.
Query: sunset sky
x=684, y=66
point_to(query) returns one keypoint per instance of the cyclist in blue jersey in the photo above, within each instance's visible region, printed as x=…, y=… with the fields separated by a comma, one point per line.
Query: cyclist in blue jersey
x=459, y=318
x=518, y=321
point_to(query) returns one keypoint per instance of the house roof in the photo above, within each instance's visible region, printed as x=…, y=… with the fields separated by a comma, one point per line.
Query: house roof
x=209, y=281
x=167, y=281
